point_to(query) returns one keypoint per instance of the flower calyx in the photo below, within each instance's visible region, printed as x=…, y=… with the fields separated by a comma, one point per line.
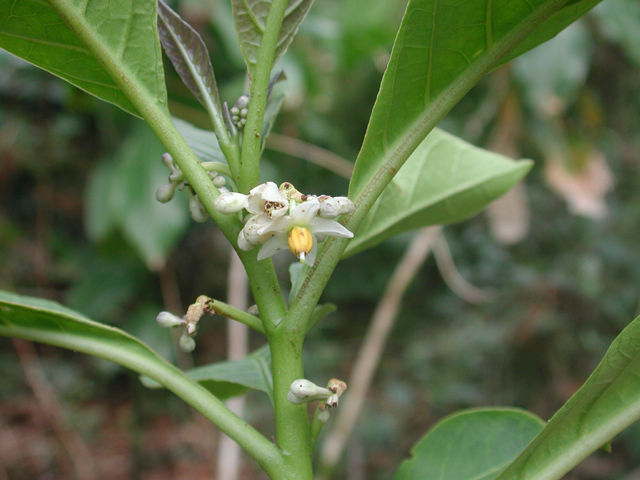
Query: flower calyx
x=282, y=217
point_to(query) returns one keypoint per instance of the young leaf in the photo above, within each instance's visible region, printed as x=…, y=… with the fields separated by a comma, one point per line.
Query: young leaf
x=228, y=379
x=473, y=444
x=445, y=180
x=250, y=17
x=190, y=57
x=607, y=403
x=442, y=49
x=35, y=31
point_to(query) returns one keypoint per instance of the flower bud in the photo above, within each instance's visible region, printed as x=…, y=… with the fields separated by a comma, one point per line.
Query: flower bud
x=241, y=102
x=196, y=209
x=345, y=205
x=230, y=202
x=168, y=320
x=303, y=390
x=323, y=415
x=186, y=343
x=165, y=193
x=329, y=207
x=219, y=181
x=167, y=159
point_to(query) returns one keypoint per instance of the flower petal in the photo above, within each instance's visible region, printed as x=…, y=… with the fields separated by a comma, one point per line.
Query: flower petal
x=273, y=245
x=305, y=212
x=277, y=225
x=323, y=226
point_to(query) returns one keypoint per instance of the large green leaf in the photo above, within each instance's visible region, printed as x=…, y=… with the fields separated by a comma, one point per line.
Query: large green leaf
x=445, y=180
x=35, y=31
x=228, y=379
x=442, y=49
x=473, y=444
x=607, y=403
x=121, y=194
x=250, y=18
x=44, y=321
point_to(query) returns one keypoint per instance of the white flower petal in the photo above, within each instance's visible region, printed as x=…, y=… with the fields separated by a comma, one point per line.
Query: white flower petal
x=254, y=228
x=323, y=226
x=243, y=243
x=273, y=245
x=255, y=203
x=305, y=212
x=277, y=225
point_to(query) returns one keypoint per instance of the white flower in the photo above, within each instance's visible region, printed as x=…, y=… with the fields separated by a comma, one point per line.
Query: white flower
x=267, y=199
x=303, y=218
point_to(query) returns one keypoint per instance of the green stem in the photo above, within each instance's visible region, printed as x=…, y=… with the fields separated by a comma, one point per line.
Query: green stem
x=252, y=136
x=226, y=310
x=316, y=428
x=158, y=118
x=292, y=424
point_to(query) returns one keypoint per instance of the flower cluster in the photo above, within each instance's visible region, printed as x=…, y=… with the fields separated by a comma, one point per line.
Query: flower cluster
x=190, y=321
x=281, y=218
x=177, y=181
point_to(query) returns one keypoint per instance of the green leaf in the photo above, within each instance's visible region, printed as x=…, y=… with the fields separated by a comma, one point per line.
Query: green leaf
x=231, y=378
x=250, y=18
x=204, y=143
x=49, y=322
x=607, y=403
x=442, y=49
x=474, y=444
x=121, y=194
x=445, y=180
x=35, y=31
x=189, y=55
x=44, y=321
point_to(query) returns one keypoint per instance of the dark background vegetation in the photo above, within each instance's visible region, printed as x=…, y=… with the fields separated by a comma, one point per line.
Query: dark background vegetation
x=74, y=227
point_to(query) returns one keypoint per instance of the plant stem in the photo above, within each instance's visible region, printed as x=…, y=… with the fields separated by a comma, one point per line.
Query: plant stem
x=292, y=424
x=158, y=118
x=252, y=137
x=234, y=313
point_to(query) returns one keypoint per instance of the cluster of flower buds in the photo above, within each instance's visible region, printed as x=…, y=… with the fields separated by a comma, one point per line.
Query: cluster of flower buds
x=282, y=217
x=239, y=111
x=177, y=181
x=303, y=391
x=189, y=322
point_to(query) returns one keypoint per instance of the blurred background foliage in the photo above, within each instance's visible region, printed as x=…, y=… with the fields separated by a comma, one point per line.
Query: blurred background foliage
x=79, y=224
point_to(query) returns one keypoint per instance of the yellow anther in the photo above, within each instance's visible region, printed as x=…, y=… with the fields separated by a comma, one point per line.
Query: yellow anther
x=300, y=242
